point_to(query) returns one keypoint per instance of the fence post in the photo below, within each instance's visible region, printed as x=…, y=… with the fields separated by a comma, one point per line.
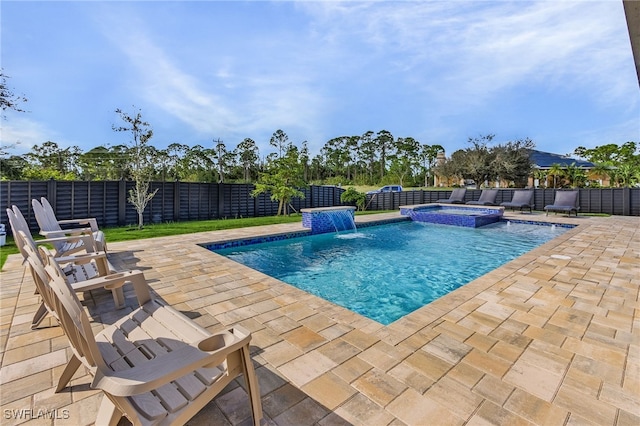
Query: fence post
x=220, y=200
x=626, y=201
x=122, y=202
x=52, y=193
x=311, y=197
x=176, y=201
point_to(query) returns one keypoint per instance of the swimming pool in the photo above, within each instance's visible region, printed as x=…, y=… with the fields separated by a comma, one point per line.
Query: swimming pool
x=385, y=272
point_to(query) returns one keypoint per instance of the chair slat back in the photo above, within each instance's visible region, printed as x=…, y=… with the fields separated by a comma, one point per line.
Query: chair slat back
x=71, y=315
x=47, y=223
x=40, y=277
x=50, y=213
x=18, y=223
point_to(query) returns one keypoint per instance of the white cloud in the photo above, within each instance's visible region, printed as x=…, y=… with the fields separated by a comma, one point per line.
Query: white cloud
x=21, y=134
x=472, y=50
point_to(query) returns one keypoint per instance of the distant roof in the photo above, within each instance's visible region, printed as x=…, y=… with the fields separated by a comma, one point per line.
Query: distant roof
x=544, y=160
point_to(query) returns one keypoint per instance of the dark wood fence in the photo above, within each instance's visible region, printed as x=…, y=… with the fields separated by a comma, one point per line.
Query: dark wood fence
x=615, y=201
x=183, y=201
x=174, y=201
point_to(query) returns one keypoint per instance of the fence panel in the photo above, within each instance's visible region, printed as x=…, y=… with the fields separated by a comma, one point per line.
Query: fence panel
x=182, y=201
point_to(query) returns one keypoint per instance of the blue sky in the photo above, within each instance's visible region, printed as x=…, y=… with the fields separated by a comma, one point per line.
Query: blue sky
x=558, y=72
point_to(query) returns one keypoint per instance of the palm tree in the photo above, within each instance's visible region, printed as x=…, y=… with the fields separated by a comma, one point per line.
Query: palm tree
x=575, y=175
x=540, y=176
x=628, y=174
x=555, y=170
x=600, y=172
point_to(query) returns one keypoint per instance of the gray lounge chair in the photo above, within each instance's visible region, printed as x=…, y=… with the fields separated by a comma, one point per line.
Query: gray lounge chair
x=487, y=198
x=457, y=197
x=520, y=200
x=565, y=202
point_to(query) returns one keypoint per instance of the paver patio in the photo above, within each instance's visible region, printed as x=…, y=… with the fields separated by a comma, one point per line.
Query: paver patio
x=552, y=337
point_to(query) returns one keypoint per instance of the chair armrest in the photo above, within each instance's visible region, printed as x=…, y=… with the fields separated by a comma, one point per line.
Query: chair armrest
x=82, y=258
x=167, y=367
x=100, y=258
x=112, y=281
x=62, y=239
x=91, y=221
x=74, y=231
x=87, y=239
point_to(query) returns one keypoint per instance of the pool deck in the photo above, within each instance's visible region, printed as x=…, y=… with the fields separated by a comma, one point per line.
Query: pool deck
x=551, y=338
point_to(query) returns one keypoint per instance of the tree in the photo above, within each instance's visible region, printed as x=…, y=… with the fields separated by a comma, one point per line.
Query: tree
x=512, y=161
x=95, y=164
x=13, y=167
x=406, y=158
x=352, y=195
x=304, y=159
x=555, y=170
x=620, y=163
x=221, y=156
x=428, y=155
x=280, y=140
x=9, y=100
x=282, y=179
x=200, y=165
x=477, y=160
x=384, y=143
x=509, y=161
x=575, y=175
x=50, y=161
x=141, y=165
x=368, y=152
x=248, y=155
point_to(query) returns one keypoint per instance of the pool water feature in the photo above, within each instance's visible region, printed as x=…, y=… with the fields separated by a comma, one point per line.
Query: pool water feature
x=391, y=270
x=329, y=219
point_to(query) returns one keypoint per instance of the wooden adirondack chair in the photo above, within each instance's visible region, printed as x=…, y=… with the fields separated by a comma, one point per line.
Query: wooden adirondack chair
x=77, y=269
x=154, y=366
x=50, y=226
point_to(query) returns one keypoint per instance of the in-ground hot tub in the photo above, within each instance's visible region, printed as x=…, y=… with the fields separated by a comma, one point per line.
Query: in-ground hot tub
x=452, y=214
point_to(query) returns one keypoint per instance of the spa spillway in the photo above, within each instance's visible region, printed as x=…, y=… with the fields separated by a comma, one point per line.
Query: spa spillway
x=451, y=214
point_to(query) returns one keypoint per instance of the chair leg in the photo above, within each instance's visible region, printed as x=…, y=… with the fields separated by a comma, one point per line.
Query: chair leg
x=118, y=297
x=40, y=314
x=108, y=414
x=252, y=385
x=71, y=368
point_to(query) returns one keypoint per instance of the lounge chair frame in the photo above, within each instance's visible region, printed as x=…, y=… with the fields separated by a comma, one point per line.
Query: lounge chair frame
x=456, y=197
x=564, y=202
x=520, y=200
x=487, y=198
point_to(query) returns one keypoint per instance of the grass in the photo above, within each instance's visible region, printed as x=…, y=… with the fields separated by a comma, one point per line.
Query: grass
x=127, y=233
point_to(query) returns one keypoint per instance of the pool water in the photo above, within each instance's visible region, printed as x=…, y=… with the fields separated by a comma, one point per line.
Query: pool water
x=385, y=272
